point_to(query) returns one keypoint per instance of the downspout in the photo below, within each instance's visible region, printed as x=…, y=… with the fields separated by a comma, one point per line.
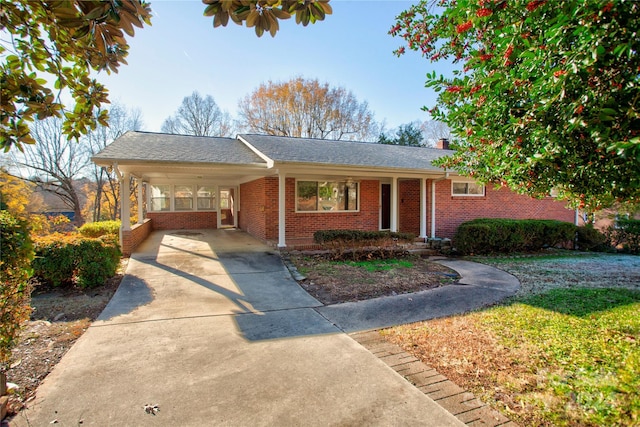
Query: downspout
x=433, y=203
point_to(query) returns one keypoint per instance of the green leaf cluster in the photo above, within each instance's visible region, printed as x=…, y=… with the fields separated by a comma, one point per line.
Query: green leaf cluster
x=264, y=15
x=65, y=40
x=546, y=96
x=16, y=253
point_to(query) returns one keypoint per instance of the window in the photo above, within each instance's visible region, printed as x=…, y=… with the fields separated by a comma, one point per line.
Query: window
x=206, y=198
x=160, y=197
x=467, y=189
x=184, y=197
x=313, y=196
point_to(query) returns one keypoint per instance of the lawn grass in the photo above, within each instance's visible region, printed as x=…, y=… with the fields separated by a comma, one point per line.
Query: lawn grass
x=583, y=345
x=565, y=351
x=379, y=264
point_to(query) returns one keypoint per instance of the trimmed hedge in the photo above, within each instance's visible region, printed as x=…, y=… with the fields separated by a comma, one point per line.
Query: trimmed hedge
x=359, y=237
x=489, y=235
x=590, y=239
x=67, y=260
x=100, y=228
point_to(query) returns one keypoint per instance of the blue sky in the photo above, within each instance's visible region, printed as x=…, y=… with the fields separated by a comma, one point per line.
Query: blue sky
x=182, y=52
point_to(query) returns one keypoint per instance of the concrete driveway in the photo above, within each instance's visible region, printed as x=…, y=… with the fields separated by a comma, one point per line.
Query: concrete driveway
x=209, y=326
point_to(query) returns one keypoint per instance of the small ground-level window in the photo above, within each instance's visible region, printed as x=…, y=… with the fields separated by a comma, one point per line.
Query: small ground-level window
x=326, y=196
x=184, y=197
x=206, y=197
x=467, y=189
x=160, y=197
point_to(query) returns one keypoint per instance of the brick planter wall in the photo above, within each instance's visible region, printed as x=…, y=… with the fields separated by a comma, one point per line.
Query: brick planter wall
x=132, y=238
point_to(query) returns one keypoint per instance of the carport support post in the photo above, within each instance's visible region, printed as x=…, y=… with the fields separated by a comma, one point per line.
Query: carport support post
x=140, y=201
x=281, y=210
x=423, y=208
x=125, y=203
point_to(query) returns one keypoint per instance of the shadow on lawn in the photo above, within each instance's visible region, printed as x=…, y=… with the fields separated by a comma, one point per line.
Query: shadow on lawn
x=582, y=302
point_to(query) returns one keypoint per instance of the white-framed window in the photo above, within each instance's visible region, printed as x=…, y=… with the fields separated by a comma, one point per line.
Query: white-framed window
x=183, y=197
x=206, y=197
x=326, y=196
x=160, y=197
x=466, y=188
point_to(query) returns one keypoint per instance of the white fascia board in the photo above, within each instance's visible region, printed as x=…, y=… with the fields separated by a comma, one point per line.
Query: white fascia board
x=260, y=154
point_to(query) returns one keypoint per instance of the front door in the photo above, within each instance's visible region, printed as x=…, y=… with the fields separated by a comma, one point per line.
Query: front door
x=385, y=206
x=227, y=208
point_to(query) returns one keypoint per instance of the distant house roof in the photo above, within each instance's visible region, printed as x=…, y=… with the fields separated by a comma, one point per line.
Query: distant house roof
x=344, y=153
x=264, y=150
x=167, y=148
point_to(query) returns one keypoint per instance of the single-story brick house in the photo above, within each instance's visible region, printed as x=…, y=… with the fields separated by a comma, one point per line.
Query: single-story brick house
x=281, y=189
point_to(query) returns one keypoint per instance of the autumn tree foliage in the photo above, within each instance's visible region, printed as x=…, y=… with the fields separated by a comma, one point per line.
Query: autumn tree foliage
x=64, y=41
x=306, y=108
x=546, y=94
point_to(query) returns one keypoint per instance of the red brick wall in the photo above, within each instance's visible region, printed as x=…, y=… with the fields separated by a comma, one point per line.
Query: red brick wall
x=259, y=206
x=452, y=211
x=183, y=220
x=409, y=206
x=302, y=225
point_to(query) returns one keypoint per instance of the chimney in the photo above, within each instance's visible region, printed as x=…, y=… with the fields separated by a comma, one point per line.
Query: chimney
x=442, y=144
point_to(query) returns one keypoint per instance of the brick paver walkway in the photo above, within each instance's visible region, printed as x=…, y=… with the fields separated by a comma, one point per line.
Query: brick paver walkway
x=461, y=403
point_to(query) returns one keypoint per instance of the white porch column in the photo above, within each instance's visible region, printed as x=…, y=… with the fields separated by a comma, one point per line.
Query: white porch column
x=394, y=204
x=125, y=203
x=140, y=201
x=281, y=210
x=423, y=208
x=433, y=208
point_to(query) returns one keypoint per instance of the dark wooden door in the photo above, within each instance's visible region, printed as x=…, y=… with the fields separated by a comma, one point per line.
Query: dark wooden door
x=385, y=203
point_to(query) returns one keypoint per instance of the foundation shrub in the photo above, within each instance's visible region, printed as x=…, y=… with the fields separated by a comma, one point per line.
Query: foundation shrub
x=490, y=235
x=591, y=239
x=67, y=260
x=359, y=245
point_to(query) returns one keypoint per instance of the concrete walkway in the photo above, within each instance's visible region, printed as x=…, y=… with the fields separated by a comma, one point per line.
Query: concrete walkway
x=209, y=326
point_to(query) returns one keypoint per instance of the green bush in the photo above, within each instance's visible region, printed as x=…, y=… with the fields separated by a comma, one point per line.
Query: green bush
x=67, y=260
x=16, y=252
x=100, y=228
x=97, y=261
x=590, y=239
x=489, y=235
x=625, y=233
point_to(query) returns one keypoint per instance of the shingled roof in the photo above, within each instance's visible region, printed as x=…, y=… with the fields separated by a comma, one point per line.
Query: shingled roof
x=250, y=149
x=167, y=148
x=282, y=149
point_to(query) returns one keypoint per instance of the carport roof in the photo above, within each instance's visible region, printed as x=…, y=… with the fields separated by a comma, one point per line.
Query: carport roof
x=146, y=147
